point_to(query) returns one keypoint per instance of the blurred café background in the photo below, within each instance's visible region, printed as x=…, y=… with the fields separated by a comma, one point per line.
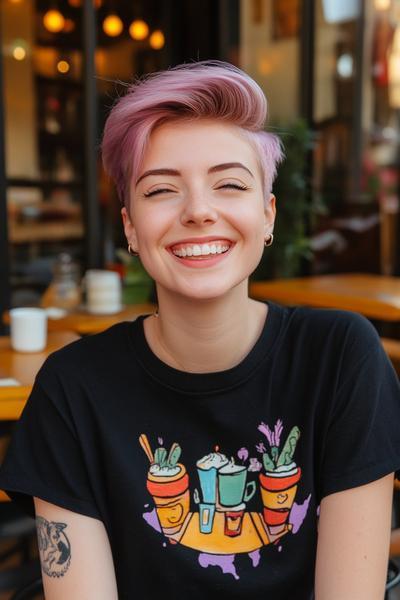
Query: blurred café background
x=329, y=68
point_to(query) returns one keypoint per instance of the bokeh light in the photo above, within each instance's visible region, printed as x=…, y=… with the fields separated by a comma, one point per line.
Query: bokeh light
x=63, y=66
x=112, y=25
x=138, y=30
x=157, y=39
x=54, y=21
x=19, y=52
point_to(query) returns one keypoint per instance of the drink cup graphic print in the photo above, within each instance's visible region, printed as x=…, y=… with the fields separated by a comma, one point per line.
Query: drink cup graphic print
x=219, y=525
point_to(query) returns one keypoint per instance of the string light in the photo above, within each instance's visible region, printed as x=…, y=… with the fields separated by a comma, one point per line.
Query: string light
x=112, y=25
x=138, y=29
x=54, y=21
x=157, y=39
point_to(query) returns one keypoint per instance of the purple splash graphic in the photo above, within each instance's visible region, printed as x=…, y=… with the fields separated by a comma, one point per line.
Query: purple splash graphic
x=152, y=519
x=243, y=454
x=255, y=465
x=261, y=448
x=298, y=514
x=160, y=441
x=224, y=562
x=255, y=557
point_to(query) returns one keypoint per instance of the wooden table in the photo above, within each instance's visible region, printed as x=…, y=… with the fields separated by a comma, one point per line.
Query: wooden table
x=84, y=323
x=374, y=296
x=23, y=367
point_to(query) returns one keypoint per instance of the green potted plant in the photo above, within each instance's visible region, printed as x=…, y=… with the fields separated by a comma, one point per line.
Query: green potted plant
x=295, y=207
x=137, y=284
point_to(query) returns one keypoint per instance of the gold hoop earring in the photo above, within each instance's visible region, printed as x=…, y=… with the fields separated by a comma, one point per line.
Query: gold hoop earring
x=269, y=241
x=131, y=251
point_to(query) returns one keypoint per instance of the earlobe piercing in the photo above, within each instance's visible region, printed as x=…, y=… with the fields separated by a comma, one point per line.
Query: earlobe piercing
x=269, y=240
x=131, y=251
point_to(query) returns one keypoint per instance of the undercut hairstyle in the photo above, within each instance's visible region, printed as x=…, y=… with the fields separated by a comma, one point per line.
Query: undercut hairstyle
x=209, y=89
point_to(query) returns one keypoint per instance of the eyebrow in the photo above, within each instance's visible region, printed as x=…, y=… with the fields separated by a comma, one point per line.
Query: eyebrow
x=214, y=169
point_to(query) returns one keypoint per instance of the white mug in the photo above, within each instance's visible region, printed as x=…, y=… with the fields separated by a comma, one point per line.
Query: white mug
x=103, y=291
x=28, y=329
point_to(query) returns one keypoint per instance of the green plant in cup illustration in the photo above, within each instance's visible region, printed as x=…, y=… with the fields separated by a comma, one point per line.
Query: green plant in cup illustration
x=168, y=483
x=279, y=483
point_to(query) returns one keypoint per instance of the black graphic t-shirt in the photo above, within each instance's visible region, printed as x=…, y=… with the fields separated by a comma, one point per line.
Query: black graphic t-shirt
x=209, y=484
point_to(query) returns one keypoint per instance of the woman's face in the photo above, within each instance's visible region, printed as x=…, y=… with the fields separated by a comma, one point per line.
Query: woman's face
x=197, y=215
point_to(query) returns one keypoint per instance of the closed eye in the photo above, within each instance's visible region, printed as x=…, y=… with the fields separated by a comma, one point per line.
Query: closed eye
x=227, y=185
x=235, y=186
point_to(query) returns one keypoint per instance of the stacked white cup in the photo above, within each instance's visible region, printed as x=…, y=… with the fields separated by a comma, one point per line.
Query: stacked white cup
x=103, y=292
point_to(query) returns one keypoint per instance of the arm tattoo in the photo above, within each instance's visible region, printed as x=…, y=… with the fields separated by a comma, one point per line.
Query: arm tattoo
x=54, y=547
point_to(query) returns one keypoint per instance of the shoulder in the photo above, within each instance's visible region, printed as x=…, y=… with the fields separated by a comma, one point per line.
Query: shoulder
x=96, y=352
x=349, y=329
x=337, y=339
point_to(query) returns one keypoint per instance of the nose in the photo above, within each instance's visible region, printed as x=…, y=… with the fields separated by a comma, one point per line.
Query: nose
x=198, y=210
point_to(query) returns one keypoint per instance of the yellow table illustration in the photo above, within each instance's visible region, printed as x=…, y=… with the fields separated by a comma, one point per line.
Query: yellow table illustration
x=254, y=535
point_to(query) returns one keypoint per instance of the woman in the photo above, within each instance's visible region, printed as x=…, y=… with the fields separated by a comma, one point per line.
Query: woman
x=191, y=452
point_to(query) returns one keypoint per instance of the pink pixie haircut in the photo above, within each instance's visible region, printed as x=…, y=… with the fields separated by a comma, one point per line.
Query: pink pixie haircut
x=209, y=89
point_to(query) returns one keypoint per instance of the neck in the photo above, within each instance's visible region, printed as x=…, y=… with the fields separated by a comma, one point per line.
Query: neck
x=206, y=335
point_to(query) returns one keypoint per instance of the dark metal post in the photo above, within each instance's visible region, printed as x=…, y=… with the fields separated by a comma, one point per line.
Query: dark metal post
x=91, y=203
x=306, y=94
x=4, y=251
x=357, y=141
x=306, y=71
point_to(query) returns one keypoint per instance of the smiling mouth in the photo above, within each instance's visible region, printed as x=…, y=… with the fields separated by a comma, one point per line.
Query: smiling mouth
x=201, y=251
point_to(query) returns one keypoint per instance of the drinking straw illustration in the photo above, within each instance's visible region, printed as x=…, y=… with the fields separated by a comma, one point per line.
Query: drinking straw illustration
x=144, y=442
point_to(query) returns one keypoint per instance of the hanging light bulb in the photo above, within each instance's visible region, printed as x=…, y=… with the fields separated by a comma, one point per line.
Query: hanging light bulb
x=382, y=4
x=54, y=21
x=138, y=29
x=112, y=25
x=157, y=39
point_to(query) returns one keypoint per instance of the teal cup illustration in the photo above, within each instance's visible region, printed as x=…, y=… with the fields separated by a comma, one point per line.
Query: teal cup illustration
x=208, y=484
x=207, y=471
x=232, y=487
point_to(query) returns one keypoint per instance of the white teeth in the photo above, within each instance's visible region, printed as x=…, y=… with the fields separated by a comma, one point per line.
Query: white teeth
x=201, y=250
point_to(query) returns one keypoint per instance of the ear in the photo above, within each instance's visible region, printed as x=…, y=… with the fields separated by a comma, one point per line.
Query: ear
x=130, y=232
x=269, y=214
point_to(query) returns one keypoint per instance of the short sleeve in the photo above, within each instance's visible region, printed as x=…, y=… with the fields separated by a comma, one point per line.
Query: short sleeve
x=44, y=458
x=362, y=441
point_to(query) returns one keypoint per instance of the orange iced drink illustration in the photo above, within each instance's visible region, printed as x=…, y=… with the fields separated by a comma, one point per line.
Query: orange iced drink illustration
x=278, y=491
x=278, y=485
x=169, y=487
x=168, y=483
